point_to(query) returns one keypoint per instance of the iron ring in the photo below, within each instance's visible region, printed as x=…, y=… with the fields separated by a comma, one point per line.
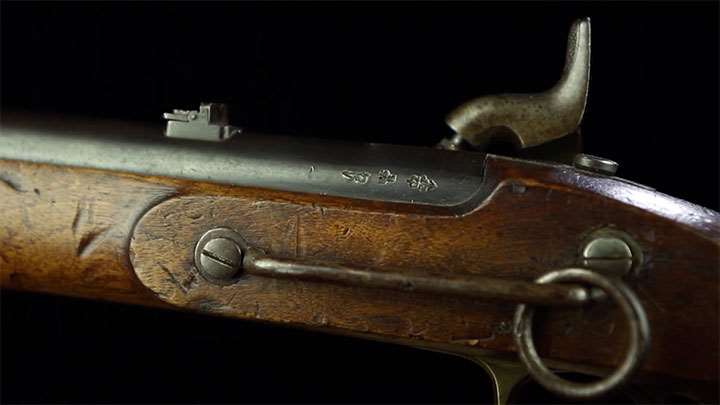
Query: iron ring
x=638, y=326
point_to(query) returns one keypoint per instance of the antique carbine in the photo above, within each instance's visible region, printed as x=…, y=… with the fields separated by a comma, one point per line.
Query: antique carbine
x=449, y=248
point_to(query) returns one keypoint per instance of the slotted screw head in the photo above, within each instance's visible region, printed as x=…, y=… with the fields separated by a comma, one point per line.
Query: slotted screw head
x=608, y=255
x=220, y=259
x=596, y=164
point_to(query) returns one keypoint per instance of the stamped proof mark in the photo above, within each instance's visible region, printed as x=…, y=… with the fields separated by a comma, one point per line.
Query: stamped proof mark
x=385, y=176
x=356, y=177
x=422, y=183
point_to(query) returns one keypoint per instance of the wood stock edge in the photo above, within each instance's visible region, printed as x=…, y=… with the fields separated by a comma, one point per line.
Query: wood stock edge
x=67, y=230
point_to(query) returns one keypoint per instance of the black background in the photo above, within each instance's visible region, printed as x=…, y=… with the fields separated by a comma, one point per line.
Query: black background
x=375, y=72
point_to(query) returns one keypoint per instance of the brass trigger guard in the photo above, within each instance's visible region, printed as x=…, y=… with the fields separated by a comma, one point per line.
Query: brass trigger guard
x=531, y=119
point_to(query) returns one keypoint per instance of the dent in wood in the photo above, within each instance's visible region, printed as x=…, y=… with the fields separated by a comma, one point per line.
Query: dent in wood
x=10, y=183
x=70, y=235
x=90, y=240
x=83, y=215
x=173, y=280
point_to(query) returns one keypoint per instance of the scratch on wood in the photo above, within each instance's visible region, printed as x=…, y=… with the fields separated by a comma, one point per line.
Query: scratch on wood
x=297, y=236
x=14, y=186
x=188, y=283
x=83, y=215
x=231, y=300
x=90, y=241
x=417, y=333
x=206, y=304
x=172, y=278
x=76, y=220
x=320, y=319
x=472, y=341
x=25, y=217
x=468, y=342
x=650, y=298
x=319, y=209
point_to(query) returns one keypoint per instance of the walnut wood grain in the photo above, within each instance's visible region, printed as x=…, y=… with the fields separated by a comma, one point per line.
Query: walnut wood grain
x=535, y=220
x=67, y=231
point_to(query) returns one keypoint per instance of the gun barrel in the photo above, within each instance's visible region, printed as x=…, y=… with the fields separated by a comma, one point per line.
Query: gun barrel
x=386, y=173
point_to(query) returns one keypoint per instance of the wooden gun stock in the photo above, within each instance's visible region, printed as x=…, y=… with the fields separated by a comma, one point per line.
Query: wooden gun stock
x=130, y=238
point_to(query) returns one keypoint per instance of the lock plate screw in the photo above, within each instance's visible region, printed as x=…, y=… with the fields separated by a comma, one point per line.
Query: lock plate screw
x=595, y=164
x=608, y=255
x=219, y=255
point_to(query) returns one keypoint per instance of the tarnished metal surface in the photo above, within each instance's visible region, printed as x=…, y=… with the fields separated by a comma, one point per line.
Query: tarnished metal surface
x=532, y=119
x=639, y=329
x=595, y=164
x=208, y=123
x=218, y=256
x=612, y=252
x=608, y=255
x=484, y=288
x=387, y=173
